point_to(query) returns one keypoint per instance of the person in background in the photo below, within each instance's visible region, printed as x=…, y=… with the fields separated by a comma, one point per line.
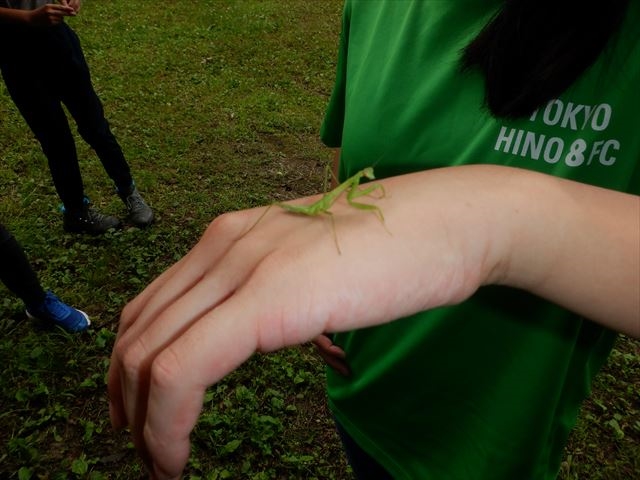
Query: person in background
x=505, y=135
x=43, y=67
x=18, y=276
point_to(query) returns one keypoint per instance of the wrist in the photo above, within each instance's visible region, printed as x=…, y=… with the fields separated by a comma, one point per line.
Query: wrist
x=504, y=223
x=526, y=232
x=27, y=17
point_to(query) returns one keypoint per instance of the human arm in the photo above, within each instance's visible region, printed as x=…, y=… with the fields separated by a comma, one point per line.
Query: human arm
x=451, y=230
x=49, y=14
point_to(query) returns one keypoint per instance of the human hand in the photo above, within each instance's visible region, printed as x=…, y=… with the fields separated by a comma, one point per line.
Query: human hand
x=75, y=4
x=282, y=283
x=50, y=14
x=332, y=354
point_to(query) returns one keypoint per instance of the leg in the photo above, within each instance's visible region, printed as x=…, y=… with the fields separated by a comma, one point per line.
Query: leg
x=367, y=190
x=16, y=271
x=18, y=275
x=333, y=230
x=86, y=108
x=31, y=74
x=30, y=89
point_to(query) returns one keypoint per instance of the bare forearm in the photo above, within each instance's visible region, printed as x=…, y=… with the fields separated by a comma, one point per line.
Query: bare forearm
x=578, y=246
x=10, y=15
x=570, y=243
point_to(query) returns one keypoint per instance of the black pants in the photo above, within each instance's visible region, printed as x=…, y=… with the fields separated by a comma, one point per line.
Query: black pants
x=363, y=465
x=44, y=68
x=16, y=271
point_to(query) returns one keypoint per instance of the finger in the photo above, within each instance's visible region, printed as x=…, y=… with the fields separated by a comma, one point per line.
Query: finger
x=224, y=248
x=214, y=346
x=337, y=363
x=159, y=295
x=252, y=319
x=333, y=355
x=130, y=313
x=55, y=19
x=185, y=292
x=325, y=343
x=156, y=391
x=128, y=317
x=132, y=310
x=64, y=10
x=138, y=346
x=114, y=392
x=176, y=280
x=168, y=324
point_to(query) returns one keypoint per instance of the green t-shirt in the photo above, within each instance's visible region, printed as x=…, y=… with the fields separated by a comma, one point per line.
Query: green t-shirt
x=489, y=389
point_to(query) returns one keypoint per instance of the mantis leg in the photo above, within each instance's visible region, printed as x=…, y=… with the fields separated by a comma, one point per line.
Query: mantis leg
x=355, y=193
x=266, y=210
x=366, y=190
x=366, y=206
x=333, y=230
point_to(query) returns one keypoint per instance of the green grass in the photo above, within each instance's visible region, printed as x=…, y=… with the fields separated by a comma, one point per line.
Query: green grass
x=217, y=104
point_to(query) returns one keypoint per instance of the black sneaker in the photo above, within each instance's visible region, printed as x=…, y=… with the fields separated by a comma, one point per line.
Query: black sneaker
x=140, y=214
x=89, y=220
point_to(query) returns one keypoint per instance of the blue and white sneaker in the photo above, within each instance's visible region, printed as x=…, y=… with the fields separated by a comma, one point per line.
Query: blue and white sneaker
x=53, y=310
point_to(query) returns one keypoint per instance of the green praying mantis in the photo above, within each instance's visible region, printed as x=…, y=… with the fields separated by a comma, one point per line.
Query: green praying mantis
x=353, y=190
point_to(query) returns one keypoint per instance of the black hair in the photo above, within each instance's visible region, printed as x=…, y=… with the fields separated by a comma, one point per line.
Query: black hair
x=533, y=50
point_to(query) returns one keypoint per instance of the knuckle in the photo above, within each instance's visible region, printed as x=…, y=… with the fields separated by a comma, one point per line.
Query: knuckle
x=166, y=370
x=230, y=223
x=133, y=357
x=273, y=261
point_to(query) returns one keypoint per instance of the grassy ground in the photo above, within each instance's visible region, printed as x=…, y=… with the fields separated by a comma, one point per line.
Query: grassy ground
x=217, y=105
